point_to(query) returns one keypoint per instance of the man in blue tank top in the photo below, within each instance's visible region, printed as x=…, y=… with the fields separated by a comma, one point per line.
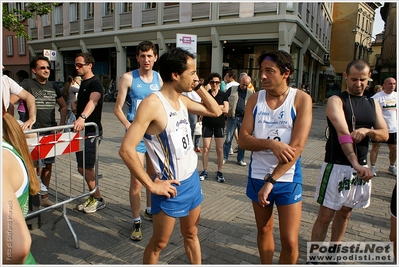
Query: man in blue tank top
x=133, y=87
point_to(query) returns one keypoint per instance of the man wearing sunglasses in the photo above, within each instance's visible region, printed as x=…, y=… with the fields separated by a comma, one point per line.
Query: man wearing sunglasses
x=46, y=100
x=89, y=109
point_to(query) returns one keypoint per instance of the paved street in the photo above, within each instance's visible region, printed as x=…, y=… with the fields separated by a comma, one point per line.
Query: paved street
x=227, y=227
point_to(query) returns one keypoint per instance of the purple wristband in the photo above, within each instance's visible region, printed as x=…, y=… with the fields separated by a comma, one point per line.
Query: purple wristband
x=344, y=139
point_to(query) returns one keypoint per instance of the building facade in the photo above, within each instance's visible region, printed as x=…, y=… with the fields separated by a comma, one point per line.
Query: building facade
x=351, y=39
x=229, y=35
x=386, y=64
x=15, y=54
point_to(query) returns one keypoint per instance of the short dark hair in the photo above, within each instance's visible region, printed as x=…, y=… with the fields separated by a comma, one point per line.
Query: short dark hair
x=359, y=64
x=281, y=58
x=212, y=75
x=88, y=58
x=145, y=46
x=231, y=73
x=173, y=61
x=34, y=61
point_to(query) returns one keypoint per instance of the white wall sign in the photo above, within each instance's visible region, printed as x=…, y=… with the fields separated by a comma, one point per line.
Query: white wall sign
x=188, y=42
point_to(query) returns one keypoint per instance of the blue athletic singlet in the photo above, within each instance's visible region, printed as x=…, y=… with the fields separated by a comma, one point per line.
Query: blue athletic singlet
x=22, y=193
x=140, y=90
x=275, y=124
x=172, y=151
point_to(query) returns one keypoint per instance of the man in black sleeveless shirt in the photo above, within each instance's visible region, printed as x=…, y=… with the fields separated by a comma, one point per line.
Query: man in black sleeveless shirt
x=344, y=181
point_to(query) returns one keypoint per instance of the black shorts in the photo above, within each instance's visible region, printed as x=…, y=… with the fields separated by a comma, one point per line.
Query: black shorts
x=391, y=139
x=208, y=132
x=393, y=202
x=90, y=152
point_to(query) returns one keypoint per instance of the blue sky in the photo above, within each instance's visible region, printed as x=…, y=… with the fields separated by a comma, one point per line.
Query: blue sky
x=378, y=26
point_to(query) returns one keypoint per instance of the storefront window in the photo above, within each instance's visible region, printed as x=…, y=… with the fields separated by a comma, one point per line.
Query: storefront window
x=333, y=86
x=295, y=59
x=204, y=60
x=243, y=58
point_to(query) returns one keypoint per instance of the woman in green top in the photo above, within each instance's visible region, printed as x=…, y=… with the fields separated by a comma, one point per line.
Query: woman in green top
x=18, y=181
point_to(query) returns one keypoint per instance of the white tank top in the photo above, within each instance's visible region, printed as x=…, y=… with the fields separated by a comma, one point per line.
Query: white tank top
x=273, y=124
x=172, y=151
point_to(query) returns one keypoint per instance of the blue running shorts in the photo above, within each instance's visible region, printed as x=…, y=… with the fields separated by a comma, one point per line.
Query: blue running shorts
x=282, y=193
x=189, y=196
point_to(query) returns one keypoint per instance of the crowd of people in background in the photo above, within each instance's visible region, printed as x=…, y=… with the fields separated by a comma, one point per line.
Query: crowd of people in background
x=162, y=155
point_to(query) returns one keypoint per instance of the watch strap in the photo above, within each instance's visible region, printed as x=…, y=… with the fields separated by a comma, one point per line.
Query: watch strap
x=269, y=179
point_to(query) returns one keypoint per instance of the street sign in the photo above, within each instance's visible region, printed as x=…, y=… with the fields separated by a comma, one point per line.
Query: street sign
x=187, y=42
x=53, y=55
x=50, y=54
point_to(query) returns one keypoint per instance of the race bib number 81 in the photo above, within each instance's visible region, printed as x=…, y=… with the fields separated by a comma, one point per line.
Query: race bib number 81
x=181, y=142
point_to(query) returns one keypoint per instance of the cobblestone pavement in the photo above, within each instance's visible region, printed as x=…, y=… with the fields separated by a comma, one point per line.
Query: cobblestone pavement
x=227, y=229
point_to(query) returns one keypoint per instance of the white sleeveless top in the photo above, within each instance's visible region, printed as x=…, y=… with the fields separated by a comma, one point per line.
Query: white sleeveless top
x=172, y=151
x=273, y=124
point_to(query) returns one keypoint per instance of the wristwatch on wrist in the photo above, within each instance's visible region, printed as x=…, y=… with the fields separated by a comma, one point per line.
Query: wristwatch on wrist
x=83, y=116
x=269, y=179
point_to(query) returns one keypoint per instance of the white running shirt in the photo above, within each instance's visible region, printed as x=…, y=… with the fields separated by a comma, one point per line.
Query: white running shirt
x=172, y=151
x=273, y=124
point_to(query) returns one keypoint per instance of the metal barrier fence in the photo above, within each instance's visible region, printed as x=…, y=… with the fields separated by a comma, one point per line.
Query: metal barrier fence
x=56, y=141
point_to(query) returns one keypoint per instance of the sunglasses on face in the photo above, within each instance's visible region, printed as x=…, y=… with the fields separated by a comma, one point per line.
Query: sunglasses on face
x=80, y=65
x=44, y=67
x=214, y=82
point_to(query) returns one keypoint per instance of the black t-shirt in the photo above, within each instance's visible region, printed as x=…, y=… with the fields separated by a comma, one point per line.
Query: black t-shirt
x=216, y=121
x=86, y=88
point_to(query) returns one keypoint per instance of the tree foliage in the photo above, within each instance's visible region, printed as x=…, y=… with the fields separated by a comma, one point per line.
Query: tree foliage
x=14, y=19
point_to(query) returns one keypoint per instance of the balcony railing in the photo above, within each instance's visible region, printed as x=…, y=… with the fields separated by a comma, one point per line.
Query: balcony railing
x=74, y=27
x=33, y=33
x=108, y=22
x=89, y=25
x=263, y=7
x=125, y=19
x=149, y=16
x=171, y=13
x=47, y=31
x=201, y=11
x=229, y=9
x=59, y=30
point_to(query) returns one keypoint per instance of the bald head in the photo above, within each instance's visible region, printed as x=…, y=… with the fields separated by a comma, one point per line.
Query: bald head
x=245, y=81
x=389, y=85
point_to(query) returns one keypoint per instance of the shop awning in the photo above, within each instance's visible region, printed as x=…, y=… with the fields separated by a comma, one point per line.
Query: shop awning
x=330, y=70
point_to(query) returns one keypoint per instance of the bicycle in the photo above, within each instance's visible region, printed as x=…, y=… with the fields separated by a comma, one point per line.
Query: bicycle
x=327, y=132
